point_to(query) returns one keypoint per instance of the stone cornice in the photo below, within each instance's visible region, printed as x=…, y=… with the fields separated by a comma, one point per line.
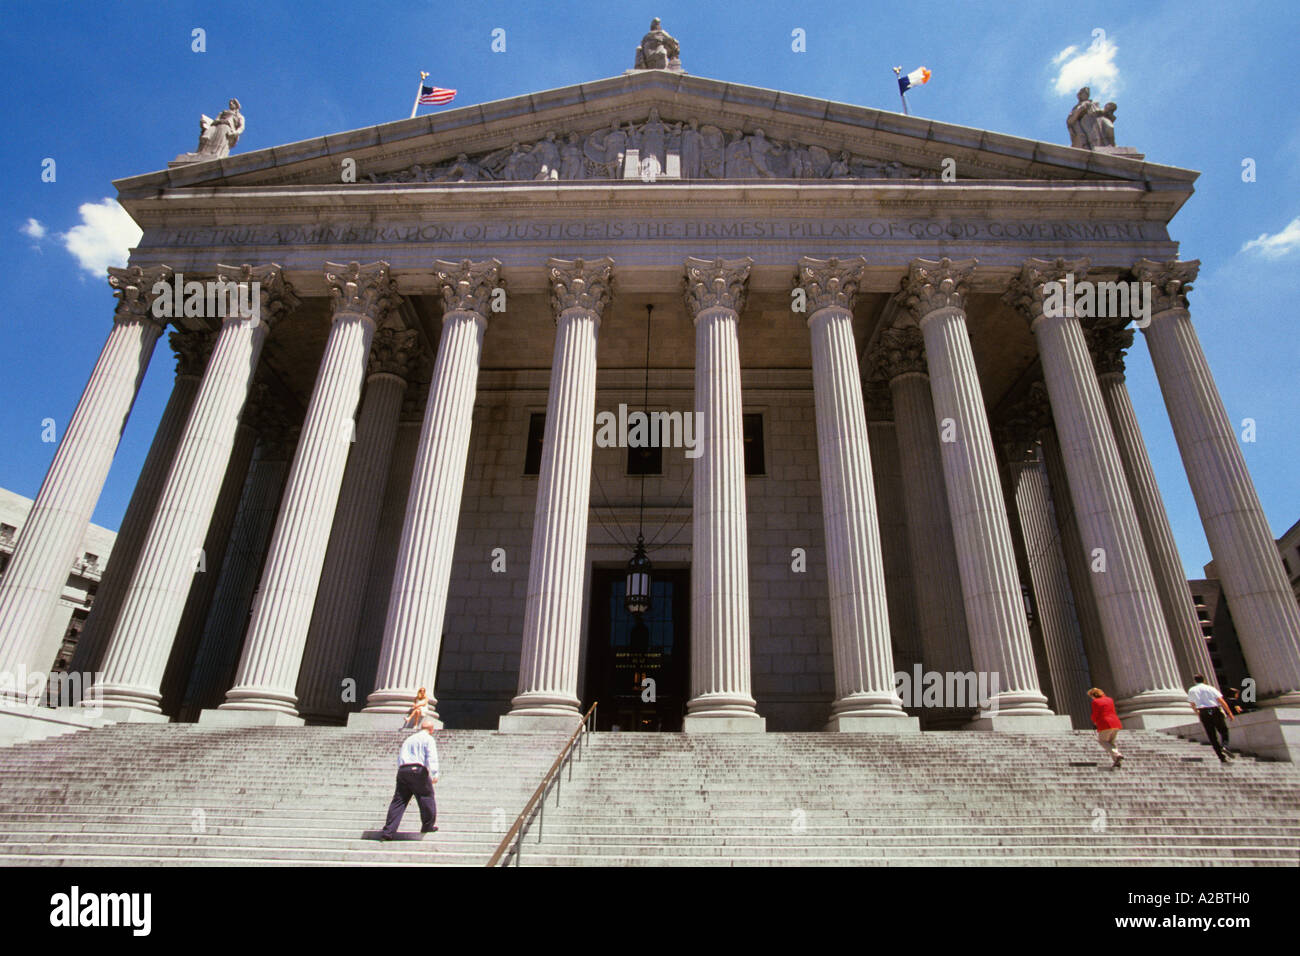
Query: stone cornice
x=818, y=122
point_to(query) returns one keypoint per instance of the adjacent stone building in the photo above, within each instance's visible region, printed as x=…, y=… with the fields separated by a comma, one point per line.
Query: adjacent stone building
x=907, y=457
x=54, y=649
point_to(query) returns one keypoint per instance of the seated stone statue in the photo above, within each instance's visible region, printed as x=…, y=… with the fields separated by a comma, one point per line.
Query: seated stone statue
x=217, y=137
x=658, y=50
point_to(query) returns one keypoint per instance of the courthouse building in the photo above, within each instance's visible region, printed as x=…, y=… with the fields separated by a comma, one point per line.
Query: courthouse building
x=390, y=475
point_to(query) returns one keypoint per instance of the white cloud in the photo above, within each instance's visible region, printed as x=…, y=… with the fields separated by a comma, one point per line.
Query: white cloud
x=33, y=229
x=1279, y=244
x=1094, y=67
x=104, y=237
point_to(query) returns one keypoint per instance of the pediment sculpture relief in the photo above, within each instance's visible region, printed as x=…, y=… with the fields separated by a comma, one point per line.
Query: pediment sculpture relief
x=651, y=150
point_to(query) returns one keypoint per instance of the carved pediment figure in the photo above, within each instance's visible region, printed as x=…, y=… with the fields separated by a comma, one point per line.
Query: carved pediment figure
x=546, y=156
x=1106, y=125
x=571, y=166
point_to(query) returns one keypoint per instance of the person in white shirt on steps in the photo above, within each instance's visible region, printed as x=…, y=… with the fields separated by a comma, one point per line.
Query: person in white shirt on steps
x=417, y=772
x=1210, y=708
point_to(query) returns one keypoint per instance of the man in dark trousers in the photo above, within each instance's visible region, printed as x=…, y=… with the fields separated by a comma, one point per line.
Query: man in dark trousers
x=417, y=772
x=1210, y=708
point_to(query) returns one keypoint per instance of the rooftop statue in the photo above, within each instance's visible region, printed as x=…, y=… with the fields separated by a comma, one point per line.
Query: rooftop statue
x=658, y=50
x=1092, y=126
x=217, y=137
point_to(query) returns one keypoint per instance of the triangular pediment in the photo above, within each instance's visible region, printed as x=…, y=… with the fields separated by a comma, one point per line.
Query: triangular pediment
x=658, y=125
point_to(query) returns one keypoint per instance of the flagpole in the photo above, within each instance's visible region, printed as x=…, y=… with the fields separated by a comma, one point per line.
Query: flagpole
x=419, y=88
x=898, y=72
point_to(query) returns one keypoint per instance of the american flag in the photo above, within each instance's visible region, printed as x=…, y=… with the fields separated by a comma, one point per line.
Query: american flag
x=434, y=95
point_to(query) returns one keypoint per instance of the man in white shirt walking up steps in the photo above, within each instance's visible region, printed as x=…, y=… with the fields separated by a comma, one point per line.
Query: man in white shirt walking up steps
x=1210, y=708
x=417, y=772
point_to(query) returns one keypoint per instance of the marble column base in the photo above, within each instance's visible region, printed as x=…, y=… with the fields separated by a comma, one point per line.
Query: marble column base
x=374, y=720
x=874, y=725
x=21, y=721
x=1270, y=734
x=1152, y=705
x=1022, y=724
x=538, y=723
x=696, y=724
x=214, y=717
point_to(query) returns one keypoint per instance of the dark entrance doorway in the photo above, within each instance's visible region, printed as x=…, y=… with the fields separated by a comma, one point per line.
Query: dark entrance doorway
x=626, y=662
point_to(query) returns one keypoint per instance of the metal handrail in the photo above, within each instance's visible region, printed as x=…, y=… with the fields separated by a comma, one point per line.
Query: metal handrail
x=536, y=805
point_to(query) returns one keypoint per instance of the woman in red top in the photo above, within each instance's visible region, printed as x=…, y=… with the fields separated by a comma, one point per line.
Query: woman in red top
x=1107, y=723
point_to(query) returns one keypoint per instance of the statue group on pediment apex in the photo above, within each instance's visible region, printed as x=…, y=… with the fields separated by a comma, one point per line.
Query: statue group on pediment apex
x=701, y=151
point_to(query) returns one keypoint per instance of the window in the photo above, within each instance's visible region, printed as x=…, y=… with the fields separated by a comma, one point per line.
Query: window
x=536, y=432
x=753, y=439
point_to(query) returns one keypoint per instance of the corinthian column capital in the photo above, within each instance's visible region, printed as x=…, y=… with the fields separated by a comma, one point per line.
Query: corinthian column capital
x=1170, y=281
x=716, y=283
x=467, y=286
x=192, y=351
x=1107, y=344
x=901, y=350
x=579, y=284
x=394, y=352
x=931, y=286
x=830, y=282
x=1027, y=291
x=135, y=289
x=367, y=290
x=276, y=298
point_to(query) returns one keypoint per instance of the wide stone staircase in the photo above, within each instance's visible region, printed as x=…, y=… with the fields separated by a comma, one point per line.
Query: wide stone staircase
x=139, y=794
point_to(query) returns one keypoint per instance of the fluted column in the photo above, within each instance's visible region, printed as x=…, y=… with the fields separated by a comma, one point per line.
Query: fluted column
x=934, y=292
x=945, y=645
x=1108, y=344
x=198, y=602
x=1076, y=559
x=1067, y=664
x=192, y=350
x=408, y=657
x=720, y=657
x=548, y=665
x=383, y=563
x=222, y=639
x=865, y=698
x=267, y=675
x=1263, y=606
x=331, y=639
x=54, y=528
x=1147, y=692
x=142, y=639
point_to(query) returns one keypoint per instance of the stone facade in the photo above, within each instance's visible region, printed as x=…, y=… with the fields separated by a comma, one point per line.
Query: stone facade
x=897, y=427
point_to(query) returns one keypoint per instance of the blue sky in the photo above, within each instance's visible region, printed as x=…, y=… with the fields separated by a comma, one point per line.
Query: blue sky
x=112, y=90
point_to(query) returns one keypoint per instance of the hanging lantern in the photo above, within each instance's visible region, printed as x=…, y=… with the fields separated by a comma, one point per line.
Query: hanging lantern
x=636, y=593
